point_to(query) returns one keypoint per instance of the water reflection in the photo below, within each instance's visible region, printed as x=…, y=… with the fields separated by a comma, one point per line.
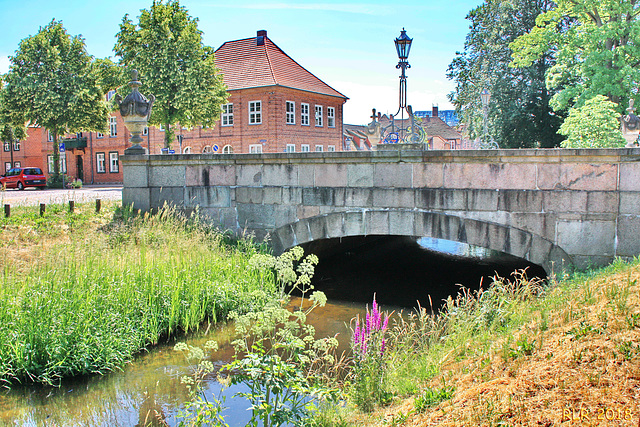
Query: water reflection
x=150, y=385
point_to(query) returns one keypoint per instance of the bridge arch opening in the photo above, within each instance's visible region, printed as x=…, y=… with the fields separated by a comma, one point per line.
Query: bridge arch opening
x=395, y=254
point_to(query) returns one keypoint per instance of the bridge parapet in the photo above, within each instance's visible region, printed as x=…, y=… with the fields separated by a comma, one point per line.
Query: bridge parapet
x=583, y=202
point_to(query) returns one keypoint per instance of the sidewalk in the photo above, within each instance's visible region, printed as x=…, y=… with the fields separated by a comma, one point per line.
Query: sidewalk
x=33, y=196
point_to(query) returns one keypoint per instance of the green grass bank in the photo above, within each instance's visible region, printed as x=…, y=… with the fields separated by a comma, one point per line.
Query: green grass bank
x=82, y=292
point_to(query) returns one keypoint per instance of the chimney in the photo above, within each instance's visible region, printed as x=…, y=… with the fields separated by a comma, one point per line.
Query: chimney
x=434, y=111
x=262, y=34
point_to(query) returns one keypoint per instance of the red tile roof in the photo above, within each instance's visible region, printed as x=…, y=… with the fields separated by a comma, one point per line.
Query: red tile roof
x=244, y=65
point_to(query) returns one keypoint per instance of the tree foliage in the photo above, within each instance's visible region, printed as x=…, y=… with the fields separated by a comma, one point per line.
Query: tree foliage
x=519, y=113
x=166, y=48
x=596, y=48
x=11, y=125
x=51, y=84
x=594, y=125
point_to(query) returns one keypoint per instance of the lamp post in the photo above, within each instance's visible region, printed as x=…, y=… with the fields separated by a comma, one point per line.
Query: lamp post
x=135, y=110
x=403, y=46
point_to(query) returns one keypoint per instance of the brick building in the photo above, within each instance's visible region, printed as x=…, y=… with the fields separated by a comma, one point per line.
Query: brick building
x=275, y=105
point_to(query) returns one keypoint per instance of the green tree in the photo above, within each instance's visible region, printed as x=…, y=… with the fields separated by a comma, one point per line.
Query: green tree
x=519, y=113
x=174, y=65
x=12, y=126
x=50, y=84
x=594, y=125
x=596, y=48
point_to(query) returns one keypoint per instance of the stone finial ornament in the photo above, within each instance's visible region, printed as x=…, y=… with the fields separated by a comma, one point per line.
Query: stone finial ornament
x=630, y=126
x=135, y=110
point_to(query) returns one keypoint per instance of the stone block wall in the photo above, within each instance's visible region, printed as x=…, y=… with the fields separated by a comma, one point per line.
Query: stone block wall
x=582, y=205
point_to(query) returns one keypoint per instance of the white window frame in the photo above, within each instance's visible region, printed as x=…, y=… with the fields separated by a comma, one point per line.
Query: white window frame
x=113, y=126
x=110, y=94
x=304, y=148
x=291, y=148
x=16, y=146
x=7, y=166
x=145, y=131
x=17, y=164
x=114, y=166
x=291, y=112
x=255, y=112
x=99, y=135
x=331, y=148
x=226, y=118
x=63, y=163
x=331, y=117
x=304, y=114
x=318, y=111
x=7, y=146
x=227, y=149
x=101, y=166
x=255, y=148
x=319, y=148
x=161, y=128
x=49, y=136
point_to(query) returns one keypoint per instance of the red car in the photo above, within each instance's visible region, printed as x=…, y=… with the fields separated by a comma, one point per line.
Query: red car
x=21, y=178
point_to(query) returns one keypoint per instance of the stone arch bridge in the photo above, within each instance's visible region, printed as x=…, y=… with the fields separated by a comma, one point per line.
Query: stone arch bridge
x=557, y=208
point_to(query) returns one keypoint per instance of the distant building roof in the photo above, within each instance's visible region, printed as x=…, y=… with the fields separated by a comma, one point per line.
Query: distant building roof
x=258, y=62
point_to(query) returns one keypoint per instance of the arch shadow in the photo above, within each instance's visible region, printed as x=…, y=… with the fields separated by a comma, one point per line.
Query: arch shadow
x=413, y=222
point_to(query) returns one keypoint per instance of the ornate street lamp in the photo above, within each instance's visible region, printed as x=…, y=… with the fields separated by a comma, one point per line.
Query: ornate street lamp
x=135, y=110
x=392, y=133
x=403, y=46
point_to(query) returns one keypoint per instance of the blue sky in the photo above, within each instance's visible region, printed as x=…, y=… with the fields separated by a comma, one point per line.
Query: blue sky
x=347, y=44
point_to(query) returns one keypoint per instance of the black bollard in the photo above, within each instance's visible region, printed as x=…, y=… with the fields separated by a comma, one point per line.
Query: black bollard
x=98, y=205
x=71, y=205
x=43, y=207
x=7, y=211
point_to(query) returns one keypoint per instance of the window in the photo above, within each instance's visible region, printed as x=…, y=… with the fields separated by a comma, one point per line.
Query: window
x=113, y=126
x=227, y=149
x=304, y=114
x=161, y=128
x=291, y=113
x=17, y=164
x=63, y=163
x=331, y=148
x=319, y=115
x=7, y=146
x=227, y=115
x=304, y=148
x=100, y=166
x=49, y=137
x=16, y=146
x=291, y=148
x=255, y=112
x=99, y=135
x=7, y=166
x=113, y=162
x=145, y=131
x=255, y=148
x=319, y=148
x=110, y=94
x=186, y=150
x=331, y=117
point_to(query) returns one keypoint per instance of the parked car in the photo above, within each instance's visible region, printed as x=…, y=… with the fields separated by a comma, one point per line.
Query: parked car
x=21, y=178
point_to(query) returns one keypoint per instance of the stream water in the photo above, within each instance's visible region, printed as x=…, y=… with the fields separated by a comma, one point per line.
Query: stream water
x=151, y=382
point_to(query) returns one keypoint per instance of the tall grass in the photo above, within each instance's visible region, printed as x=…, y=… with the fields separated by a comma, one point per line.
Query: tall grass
x=91, y=302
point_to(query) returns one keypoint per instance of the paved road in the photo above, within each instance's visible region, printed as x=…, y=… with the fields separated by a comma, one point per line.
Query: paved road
x=33, y=196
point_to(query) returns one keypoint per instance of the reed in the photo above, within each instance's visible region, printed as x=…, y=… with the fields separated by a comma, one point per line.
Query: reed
x=98, y=293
